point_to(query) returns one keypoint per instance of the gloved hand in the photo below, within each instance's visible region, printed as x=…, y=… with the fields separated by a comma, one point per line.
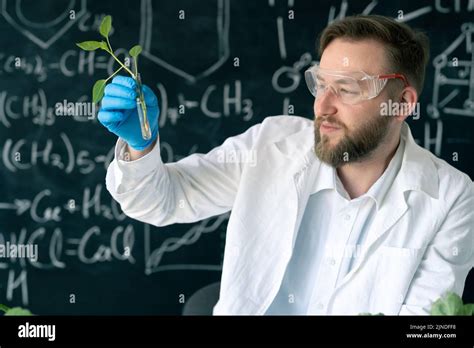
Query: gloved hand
x=118, y=112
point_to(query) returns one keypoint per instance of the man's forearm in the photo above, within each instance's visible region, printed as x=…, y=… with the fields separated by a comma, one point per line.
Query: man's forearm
x=136, y=154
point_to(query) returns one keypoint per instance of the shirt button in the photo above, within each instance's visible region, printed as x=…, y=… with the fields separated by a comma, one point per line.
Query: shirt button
x=347, y=217
x=331, y=261
x=319, y=306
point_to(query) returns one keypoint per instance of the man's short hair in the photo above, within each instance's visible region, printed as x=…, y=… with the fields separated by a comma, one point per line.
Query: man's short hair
x=407, y=49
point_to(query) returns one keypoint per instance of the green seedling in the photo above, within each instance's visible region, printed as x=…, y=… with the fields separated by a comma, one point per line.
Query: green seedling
x=449, y=304
x=14, y=311
x=99, y=85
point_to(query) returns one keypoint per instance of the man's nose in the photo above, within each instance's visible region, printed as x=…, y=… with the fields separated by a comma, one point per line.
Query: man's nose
x=325, y=103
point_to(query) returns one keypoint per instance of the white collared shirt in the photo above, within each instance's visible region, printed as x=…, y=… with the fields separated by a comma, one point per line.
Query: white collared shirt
x=332, y=223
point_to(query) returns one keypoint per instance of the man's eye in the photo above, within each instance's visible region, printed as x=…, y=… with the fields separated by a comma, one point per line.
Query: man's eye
x=347, y=92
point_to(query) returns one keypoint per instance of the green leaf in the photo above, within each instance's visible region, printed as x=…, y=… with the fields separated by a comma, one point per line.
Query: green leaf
x=135, y=51
x=18, y=311
x=90, y=45
x=105, y=26
x=450, y=304
x=4, y=308
x=368, y=313
x=98, y=90
x=469, y=309
x=104, y=46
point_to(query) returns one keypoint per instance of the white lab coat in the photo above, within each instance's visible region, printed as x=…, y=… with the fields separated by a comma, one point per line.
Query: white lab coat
x=420, y=245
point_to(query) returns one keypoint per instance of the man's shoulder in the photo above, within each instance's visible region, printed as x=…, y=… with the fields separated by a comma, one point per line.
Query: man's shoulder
x=434, y=173
x=452, y=181
x=275, y=128
x=289, y=123
x=447, y=171
x=295, y=131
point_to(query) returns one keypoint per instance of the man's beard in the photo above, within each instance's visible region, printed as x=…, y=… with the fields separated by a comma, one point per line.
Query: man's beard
x=352, y=147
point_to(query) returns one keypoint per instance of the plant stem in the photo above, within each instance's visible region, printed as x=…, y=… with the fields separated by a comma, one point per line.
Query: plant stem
x=4, y=308
x=113, y=55
x=115, y=73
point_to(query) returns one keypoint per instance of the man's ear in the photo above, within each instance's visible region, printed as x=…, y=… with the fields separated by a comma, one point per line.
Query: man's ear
x=408, y=104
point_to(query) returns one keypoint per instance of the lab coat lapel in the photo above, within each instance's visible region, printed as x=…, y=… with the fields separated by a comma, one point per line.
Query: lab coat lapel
x=300, y=149
x=290, y=195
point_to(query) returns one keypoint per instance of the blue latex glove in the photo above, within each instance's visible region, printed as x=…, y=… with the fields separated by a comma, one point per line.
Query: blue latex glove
x=118, y=112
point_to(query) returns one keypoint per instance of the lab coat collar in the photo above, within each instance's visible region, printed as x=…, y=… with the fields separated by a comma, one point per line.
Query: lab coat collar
x=416, y=172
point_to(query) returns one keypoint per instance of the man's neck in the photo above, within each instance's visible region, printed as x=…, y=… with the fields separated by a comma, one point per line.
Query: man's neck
x=358, y=177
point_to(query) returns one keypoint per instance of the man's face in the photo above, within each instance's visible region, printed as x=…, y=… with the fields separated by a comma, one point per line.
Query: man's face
x=349, y=133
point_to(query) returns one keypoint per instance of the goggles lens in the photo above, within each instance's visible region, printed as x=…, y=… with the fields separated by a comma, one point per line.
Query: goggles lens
x=349, y=87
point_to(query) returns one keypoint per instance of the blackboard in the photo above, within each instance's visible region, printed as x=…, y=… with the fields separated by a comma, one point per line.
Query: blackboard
x=230, y=64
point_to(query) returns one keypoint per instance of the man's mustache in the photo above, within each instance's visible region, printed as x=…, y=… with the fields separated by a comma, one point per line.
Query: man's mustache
x=329, y=119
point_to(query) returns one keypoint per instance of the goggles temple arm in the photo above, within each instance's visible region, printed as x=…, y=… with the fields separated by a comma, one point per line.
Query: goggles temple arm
x=396, y=76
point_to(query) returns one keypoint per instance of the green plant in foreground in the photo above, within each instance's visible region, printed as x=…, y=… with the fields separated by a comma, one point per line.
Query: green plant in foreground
x=99, y=85
x=449, y=304
x=14, y=311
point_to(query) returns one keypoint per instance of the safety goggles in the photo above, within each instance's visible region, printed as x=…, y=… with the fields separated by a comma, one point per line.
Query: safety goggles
x=349, y=87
